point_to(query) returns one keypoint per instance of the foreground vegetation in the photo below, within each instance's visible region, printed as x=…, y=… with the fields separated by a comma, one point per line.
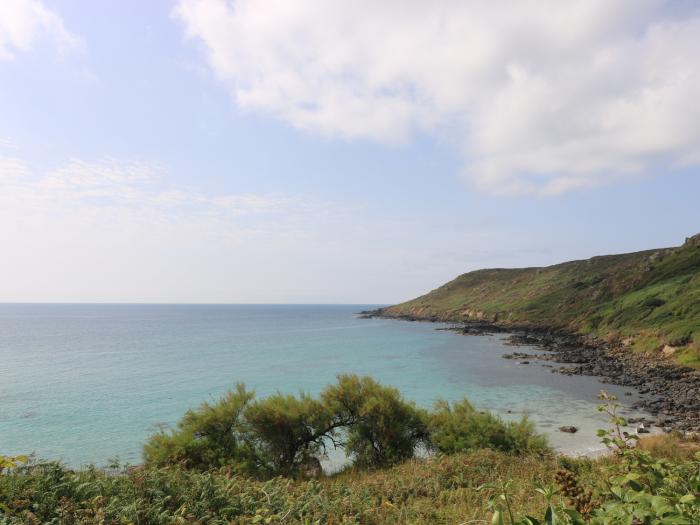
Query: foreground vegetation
x=649, y=300
x=471, y=478
x=635, y=488
x=285, y=435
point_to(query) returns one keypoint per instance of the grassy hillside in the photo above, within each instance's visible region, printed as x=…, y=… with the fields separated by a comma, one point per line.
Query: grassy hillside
x=649, y=300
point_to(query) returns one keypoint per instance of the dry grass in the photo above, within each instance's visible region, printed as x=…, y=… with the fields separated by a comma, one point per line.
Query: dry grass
x=672, y=446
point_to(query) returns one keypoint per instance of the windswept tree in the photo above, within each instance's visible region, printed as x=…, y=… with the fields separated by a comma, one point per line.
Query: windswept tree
x=384, y=428
x=286, y=435
x=213, y=435
x=289, y=433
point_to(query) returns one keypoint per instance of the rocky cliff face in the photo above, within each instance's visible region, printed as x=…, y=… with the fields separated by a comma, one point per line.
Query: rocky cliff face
x=693, y=241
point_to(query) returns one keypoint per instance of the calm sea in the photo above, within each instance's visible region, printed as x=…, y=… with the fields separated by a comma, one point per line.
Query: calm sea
x=85, y=383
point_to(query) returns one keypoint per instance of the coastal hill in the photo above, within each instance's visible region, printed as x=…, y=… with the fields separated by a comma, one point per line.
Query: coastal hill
x=648, y=301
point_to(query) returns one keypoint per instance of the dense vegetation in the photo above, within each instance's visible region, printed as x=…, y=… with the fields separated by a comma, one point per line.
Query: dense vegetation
x=647, y=300
x=658, y=482
x=286, y=435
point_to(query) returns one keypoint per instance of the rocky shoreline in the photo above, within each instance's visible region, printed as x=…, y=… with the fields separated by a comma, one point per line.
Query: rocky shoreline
x=671, y=393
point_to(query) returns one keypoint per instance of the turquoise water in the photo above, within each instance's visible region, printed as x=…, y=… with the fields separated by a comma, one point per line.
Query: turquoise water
x=84, y=383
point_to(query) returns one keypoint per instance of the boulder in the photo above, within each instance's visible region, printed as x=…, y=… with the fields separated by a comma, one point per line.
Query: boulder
x=668, y=350
x=569, y=429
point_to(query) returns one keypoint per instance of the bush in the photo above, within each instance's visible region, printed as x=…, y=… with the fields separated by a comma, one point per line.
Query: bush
x=208, y=437
x=460, y=428
x=653, y=302
x=285, y=435
x=288, y=433
x=383, y=428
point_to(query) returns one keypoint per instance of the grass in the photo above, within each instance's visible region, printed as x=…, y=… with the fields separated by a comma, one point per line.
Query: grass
x=670, y=446
x=440, y=490
x=651, y=298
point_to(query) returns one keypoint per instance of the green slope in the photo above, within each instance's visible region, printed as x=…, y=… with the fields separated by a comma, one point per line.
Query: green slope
x=647, y=300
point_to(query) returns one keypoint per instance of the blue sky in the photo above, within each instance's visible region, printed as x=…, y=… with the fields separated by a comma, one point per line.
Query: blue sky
x=335, y=152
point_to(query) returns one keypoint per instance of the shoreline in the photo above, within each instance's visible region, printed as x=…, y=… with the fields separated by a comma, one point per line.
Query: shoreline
x=671, y=393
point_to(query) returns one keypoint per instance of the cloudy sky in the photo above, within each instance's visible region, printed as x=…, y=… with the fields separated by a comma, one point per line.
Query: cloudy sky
x=332, y=151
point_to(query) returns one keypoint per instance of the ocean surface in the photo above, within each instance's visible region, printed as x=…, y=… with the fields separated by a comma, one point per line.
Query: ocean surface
x=86, y=383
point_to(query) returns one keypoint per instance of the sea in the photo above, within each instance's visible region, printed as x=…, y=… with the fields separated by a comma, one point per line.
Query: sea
x=88, y=383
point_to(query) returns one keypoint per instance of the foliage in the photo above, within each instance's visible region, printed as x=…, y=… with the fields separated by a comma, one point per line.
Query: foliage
x=286, y=435
x=288, y=432
x=614, y=437
x=418, y=491
x=212, y=436
x=382, y=428
x=460, y=428
x=10, y=462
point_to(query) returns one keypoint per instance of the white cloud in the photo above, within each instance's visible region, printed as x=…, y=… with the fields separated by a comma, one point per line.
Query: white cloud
x=24, y=22
x=111, y=184
x=6, y=143
x=542, y=95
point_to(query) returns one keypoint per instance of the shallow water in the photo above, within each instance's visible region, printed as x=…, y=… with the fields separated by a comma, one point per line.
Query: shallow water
x=84, y=383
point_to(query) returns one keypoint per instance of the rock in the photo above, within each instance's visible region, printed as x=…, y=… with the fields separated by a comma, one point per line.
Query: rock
x=692, y=241
x=642, y=430
x=518, y=355
x=523, y=362
x=568, y=429
x=668, y=350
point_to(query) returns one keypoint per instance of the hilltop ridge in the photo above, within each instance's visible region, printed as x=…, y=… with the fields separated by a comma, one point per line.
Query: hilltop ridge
x=648, y=301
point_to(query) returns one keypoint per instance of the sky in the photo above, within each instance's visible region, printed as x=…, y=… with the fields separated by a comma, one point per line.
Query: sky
x=336, y=151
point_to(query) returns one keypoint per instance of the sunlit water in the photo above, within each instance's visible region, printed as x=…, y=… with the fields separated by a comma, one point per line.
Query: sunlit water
x=85, y=383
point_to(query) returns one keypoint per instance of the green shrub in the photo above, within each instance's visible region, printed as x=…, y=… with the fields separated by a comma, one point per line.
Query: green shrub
x=383, y=428
x=289, y=433
x=214, y=435
x=460, y=428
x=653, y=302
x=285, y=435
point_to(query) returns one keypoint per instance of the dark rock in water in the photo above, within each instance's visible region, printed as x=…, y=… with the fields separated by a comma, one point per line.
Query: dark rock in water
x=568, y=429
x=523, y=362
x=628, y=393
x=522, y=340
x=478, y=328
x=642, y=430
x=519, y=355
